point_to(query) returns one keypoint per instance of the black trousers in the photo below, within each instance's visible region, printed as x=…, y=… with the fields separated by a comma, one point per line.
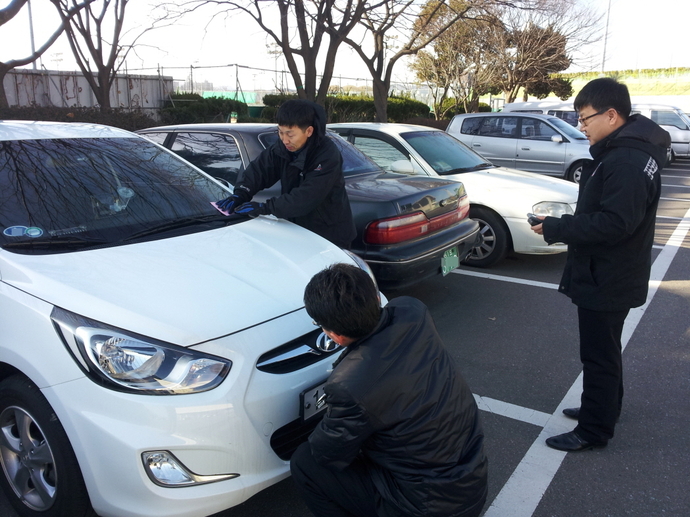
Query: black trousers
x=602, y=368
x=333, y=493
x=347, y=493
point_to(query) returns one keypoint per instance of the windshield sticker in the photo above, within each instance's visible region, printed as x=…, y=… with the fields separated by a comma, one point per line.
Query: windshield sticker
x=67, y=231
x=22, y=231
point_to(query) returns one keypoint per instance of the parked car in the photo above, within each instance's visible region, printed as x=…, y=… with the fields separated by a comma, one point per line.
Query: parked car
x=525, y=141
x=408, y=229
x=155, y=355
x=561, y=109
x=500, y=198
x=673, y=120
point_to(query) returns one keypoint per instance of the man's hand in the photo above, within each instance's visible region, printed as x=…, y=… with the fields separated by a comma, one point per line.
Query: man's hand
x=230, y=203
x=536, y=223
x=252, y=209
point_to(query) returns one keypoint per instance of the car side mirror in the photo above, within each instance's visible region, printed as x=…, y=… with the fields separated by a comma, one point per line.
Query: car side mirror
x=402, y=167
x=558, y=139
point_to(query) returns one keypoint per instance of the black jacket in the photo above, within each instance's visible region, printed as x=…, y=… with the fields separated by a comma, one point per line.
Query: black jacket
x=397, y=399
x=610, y=236
x=312, y=185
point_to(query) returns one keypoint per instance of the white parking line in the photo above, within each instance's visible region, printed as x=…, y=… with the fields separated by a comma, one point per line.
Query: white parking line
x=523, y=491
x=672, y=218
x=498, y=407
x=505, y=278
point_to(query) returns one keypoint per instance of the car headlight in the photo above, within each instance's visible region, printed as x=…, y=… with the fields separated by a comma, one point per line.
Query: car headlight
x=552, y=209
x=123, y=361
x=363, y=265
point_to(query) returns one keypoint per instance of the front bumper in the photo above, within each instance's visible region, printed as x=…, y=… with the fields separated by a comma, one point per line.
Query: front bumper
x=225, y=430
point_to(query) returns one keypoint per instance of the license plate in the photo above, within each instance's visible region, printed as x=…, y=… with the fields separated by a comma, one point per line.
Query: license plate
x=312, y=402
x=450, y=260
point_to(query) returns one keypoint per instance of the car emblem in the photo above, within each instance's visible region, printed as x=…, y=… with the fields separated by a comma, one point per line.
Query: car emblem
x=326, y=344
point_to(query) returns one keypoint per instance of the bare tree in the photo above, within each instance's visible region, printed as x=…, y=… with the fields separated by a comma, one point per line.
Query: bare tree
x=99, y=55
x=418, y=26
x=533, y=44
x=9, y=12
x=300, y=29
x=392, y=20
x=454, y=66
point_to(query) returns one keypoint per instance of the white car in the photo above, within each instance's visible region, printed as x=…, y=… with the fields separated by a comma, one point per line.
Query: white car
x=155, y=355
x=500, y=198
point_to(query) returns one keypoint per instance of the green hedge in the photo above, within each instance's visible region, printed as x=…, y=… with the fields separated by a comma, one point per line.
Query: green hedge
x=130, y=120
x=359, y=108
x=190, y=108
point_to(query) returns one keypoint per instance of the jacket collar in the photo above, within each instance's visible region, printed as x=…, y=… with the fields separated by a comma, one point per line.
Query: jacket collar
x=384, y=320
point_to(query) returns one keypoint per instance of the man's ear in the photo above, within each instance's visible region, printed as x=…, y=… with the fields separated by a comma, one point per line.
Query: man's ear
x=339, y=338
x=309, y=131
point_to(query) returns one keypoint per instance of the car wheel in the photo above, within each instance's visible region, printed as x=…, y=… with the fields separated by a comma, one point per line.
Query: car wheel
x=40, y=473
x=575, y=172
x=496, y=238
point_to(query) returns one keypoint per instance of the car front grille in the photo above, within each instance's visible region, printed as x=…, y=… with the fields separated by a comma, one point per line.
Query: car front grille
x=295, y=355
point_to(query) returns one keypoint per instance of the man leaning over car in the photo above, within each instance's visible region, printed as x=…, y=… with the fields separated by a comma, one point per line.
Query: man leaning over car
x=310, y=169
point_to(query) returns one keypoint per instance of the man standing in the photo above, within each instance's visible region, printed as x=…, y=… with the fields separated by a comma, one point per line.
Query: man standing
x=401, y=435
x=310, y=169
x=609, y=239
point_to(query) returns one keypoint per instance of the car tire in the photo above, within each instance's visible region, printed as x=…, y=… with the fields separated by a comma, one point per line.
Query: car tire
x=575, y=172
x=496, y=243
x=40, y=474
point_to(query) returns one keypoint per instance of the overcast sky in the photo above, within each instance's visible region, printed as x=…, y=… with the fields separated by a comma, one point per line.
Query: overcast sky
x=642, y=34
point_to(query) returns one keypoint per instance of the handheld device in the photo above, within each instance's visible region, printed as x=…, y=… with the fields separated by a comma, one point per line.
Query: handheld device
x=533, y=220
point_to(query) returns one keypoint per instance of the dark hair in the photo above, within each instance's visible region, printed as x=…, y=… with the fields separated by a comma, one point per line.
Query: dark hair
x=296, y=112
x=605, y=93
x=343, y=299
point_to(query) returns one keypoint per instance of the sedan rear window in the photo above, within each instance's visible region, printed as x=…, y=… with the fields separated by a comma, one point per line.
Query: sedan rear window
x=60, y=195
x=443, y=152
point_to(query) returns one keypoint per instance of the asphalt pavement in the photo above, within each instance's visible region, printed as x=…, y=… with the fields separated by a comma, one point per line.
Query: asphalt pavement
x=516, y=341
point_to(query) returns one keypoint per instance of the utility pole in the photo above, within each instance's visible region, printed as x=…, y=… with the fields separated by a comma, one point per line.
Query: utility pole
x=606, y=36
x=31, y=32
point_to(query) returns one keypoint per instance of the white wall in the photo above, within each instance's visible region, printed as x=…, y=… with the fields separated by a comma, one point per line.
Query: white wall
x=25, y=87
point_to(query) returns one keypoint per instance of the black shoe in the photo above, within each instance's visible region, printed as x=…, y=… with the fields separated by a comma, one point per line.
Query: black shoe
x=574, y=413
x=571, y=442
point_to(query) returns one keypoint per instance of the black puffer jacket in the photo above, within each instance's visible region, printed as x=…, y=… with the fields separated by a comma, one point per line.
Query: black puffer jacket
x=312, y=185
x=397, y=398
x=610, y=236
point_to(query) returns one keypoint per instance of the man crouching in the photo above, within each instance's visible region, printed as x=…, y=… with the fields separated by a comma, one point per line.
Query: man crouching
x=401, y=435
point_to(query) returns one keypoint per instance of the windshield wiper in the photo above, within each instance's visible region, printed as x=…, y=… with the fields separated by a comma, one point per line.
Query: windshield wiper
x=459, y=170
x=66, y=242
x=183, y=223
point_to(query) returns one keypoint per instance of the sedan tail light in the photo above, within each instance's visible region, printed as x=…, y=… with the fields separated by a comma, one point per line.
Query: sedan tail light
x=412, y=226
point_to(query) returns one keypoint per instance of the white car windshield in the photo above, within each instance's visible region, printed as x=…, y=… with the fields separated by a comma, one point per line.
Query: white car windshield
x=59, y=195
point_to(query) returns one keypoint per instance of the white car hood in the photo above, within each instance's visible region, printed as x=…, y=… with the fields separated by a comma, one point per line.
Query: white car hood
x=512, y=192
x=186, y=289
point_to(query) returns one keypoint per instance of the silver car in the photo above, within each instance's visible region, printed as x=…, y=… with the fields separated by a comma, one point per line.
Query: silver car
x=525, y=141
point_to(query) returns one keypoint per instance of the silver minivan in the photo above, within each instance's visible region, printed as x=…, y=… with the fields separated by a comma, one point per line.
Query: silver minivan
x=673, y=120
x=526, y=141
